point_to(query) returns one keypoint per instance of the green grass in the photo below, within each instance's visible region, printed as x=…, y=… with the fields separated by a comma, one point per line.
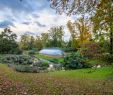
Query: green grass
x=99, y=73
x=94, y=62
x=53, y=59
x=73, y=82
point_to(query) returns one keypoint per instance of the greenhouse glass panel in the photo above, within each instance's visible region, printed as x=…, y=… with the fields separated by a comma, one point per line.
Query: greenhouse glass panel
x=51, y=51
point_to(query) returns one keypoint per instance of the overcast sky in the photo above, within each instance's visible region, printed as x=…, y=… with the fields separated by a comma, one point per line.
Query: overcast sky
x=34, y=17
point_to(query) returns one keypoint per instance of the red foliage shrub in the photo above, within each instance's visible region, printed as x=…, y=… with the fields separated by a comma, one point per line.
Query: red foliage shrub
x=91, y=50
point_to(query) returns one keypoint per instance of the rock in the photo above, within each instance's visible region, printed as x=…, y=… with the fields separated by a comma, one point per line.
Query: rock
x=98, y=66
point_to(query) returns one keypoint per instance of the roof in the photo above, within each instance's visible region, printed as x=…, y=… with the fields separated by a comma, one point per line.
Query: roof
x=52, y=51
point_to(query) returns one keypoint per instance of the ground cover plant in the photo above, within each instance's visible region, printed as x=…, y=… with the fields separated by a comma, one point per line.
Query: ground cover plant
x=24, y=63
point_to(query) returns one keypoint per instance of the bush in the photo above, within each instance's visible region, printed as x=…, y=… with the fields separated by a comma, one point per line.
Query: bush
x=95, y=62
x=91, y=50
x=18, y=59
x=27, y=68
x=31, y=52
x=108, y=58
x=1, y=59
x=25, y=63
x=23, y=68
x=74, y=61
x=70, y=49
x=45, y=64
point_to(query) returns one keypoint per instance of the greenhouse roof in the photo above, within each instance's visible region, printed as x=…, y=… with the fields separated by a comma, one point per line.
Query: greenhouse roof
x=52, y=51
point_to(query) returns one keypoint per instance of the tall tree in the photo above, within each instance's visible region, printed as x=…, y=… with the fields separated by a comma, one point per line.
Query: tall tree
x=83, y=29
x=8, y=42
x=72, y=30
x=74, y=6
x=38, y=43
x=103, y=20
x=80, y=32
x=45, y=39
x=24, y=42
x=56, y=36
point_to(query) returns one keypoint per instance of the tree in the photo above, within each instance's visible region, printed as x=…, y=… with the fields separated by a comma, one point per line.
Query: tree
x=83, y=28
x=74, y=6
x=31, y=43
x=56, y=36
x=72, y=30
x=38, y=43
x=103, y=20
x=8, y=42
x=45, y=39
x=80, y=32
x=24, y=42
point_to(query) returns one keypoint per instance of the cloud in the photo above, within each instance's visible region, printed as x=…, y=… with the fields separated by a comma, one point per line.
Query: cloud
x=29, y=33
x=40, y=25
x=6, y=24
x=27, y=23
x=28, y=16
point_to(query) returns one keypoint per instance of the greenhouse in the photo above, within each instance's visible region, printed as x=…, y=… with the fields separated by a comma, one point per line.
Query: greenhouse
x=52, y=52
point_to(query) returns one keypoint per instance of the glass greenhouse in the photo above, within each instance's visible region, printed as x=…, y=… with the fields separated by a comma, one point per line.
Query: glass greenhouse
x=52, y=52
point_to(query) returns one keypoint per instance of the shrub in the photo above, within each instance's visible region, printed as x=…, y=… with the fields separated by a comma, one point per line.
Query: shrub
x=25, y=63
x=45, y=64
x=95, y=62
x=1, y=59
x=74, y=61
x=25, y=68
x=70, y=49
x=18, y=59
x=54, y=60
x=31, y=52
x=108, y=58
x=91, y=50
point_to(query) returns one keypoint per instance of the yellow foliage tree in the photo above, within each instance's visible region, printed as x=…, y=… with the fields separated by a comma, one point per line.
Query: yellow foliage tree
x=84, y=33
x=80, y=32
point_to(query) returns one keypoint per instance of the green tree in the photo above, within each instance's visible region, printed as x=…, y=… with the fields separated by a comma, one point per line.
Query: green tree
x=56, y=36
x=38, y=43
x=24, y=42
x=45, y=39
x=8, y=42
x=31, y=44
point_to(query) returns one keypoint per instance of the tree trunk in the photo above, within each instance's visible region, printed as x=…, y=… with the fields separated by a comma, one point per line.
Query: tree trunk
x=111, y=41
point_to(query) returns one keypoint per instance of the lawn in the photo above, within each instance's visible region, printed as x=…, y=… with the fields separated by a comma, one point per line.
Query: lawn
x=50, y=58
x=74, y=82
x=99, y=73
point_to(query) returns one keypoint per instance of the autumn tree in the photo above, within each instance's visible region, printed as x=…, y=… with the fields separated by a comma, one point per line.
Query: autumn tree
x=74, y=6
x=80, y=32
x=83, y=28
x=72, y=30
x=103, y=20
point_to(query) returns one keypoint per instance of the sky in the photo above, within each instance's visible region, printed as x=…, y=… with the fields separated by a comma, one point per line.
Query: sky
x=30, y=16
